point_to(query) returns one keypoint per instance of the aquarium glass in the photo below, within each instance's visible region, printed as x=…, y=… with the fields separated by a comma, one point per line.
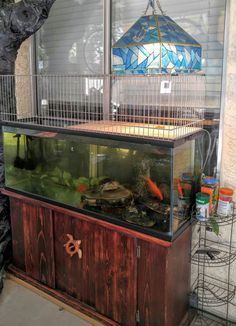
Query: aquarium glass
x=133, y=184
x=185, y=180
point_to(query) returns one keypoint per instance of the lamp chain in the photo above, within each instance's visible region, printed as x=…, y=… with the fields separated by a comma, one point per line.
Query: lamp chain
x=153, y=4
x=159, y=7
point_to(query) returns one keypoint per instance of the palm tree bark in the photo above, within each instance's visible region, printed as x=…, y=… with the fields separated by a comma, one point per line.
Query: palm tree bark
x=18, y=21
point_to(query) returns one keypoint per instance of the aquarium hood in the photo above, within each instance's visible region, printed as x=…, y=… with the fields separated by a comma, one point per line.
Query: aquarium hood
x=156, y=44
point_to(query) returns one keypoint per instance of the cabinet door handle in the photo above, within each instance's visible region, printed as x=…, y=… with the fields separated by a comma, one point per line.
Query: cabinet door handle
x=72, y=247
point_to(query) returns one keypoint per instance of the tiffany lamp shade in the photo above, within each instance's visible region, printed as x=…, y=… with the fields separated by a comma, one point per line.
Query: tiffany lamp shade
x=156, y=44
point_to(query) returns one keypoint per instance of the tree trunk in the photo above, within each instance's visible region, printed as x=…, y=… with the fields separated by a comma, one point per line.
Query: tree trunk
x=18, y=21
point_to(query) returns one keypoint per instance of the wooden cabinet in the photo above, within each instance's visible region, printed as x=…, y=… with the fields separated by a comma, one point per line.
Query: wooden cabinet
x=119, y=276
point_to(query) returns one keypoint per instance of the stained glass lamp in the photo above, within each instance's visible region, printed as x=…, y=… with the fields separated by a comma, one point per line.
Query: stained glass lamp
x=156, y=44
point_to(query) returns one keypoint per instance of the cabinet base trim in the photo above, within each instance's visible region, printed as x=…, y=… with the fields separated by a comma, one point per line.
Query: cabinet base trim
x=61, y=299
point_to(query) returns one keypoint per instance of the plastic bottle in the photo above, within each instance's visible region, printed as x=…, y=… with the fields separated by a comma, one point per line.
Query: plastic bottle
x=225, y=201
x=210, y=186
x=202, y=206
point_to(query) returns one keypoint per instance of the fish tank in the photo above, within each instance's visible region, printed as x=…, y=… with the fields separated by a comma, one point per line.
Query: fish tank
x=148, y=186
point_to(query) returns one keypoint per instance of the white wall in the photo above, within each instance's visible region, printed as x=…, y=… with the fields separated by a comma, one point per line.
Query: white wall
x=228, y=165
x=228, y=168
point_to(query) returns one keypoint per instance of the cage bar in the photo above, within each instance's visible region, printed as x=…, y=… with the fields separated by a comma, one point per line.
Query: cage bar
x=158, y=107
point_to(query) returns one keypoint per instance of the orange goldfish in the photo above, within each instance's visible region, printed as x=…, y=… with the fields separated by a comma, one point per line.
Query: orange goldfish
x=82, y=188
x=179, y=188
x=154, y=189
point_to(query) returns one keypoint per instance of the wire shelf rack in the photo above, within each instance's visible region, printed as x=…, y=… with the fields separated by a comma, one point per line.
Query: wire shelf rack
x=224, y=220
x=159, y=107
x=219, y=219
x=201, y=320
x=209, y=291
x=210, y=253
x=213, y=292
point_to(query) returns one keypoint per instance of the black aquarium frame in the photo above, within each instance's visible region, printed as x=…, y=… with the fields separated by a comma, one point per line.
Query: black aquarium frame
x=132, y=139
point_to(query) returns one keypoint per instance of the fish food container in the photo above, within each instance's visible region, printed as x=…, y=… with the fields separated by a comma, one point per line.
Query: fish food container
x=202, y=206
x=210, y=186
x=225, y=201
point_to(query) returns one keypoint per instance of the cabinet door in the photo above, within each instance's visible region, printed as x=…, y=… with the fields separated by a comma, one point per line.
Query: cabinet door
x=163, y=281
x=75, y=275
x=32, y=233
x=116, y=279
x=18, y=246
x=38, y=242
x=105, y=276
x=151, y=284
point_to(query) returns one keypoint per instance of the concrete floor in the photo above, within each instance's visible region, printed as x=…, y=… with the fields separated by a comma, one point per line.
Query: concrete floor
x=22, y=307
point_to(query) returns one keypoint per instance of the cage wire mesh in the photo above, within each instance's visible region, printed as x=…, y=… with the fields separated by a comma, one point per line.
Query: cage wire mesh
x=159, y=107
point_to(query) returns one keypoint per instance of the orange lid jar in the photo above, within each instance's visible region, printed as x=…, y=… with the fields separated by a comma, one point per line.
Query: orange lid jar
x=225, y=201
x=226, y=194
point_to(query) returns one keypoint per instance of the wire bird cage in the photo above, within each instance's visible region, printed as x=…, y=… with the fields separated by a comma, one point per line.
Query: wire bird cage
x=159, y=107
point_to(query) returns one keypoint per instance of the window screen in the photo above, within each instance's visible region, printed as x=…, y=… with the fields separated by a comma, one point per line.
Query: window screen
x=71, y=41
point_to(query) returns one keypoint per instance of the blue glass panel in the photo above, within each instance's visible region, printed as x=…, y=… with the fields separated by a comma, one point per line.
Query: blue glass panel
x=165, y=61
x=174, y=57
x=133, y=65
x=178, y=64
x=143, y=49
x=171, y=32
x=128, y=59
x=138, y=60
x=143, y=64
x=143, y=31
x=186, y=57
x=179, y=48
x=156, y=57
x=192, y=54
x=116, y=51
x=123, y=53
x=154, y=64
x=164, y=51
x=170, y=56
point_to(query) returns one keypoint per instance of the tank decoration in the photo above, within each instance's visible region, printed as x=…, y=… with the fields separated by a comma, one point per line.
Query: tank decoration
x=142, y=168
x=156, y=44
x=28, y=162
x=18, y=161
x=139, y=215
x=107, y=195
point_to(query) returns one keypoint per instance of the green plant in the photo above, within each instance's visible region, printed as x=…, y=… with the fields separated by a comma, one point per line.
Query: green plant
x=214, y=226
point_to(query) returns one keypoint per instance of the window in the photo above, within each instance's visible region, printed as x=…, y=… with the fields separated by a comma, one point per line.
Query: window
x=71, y=41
